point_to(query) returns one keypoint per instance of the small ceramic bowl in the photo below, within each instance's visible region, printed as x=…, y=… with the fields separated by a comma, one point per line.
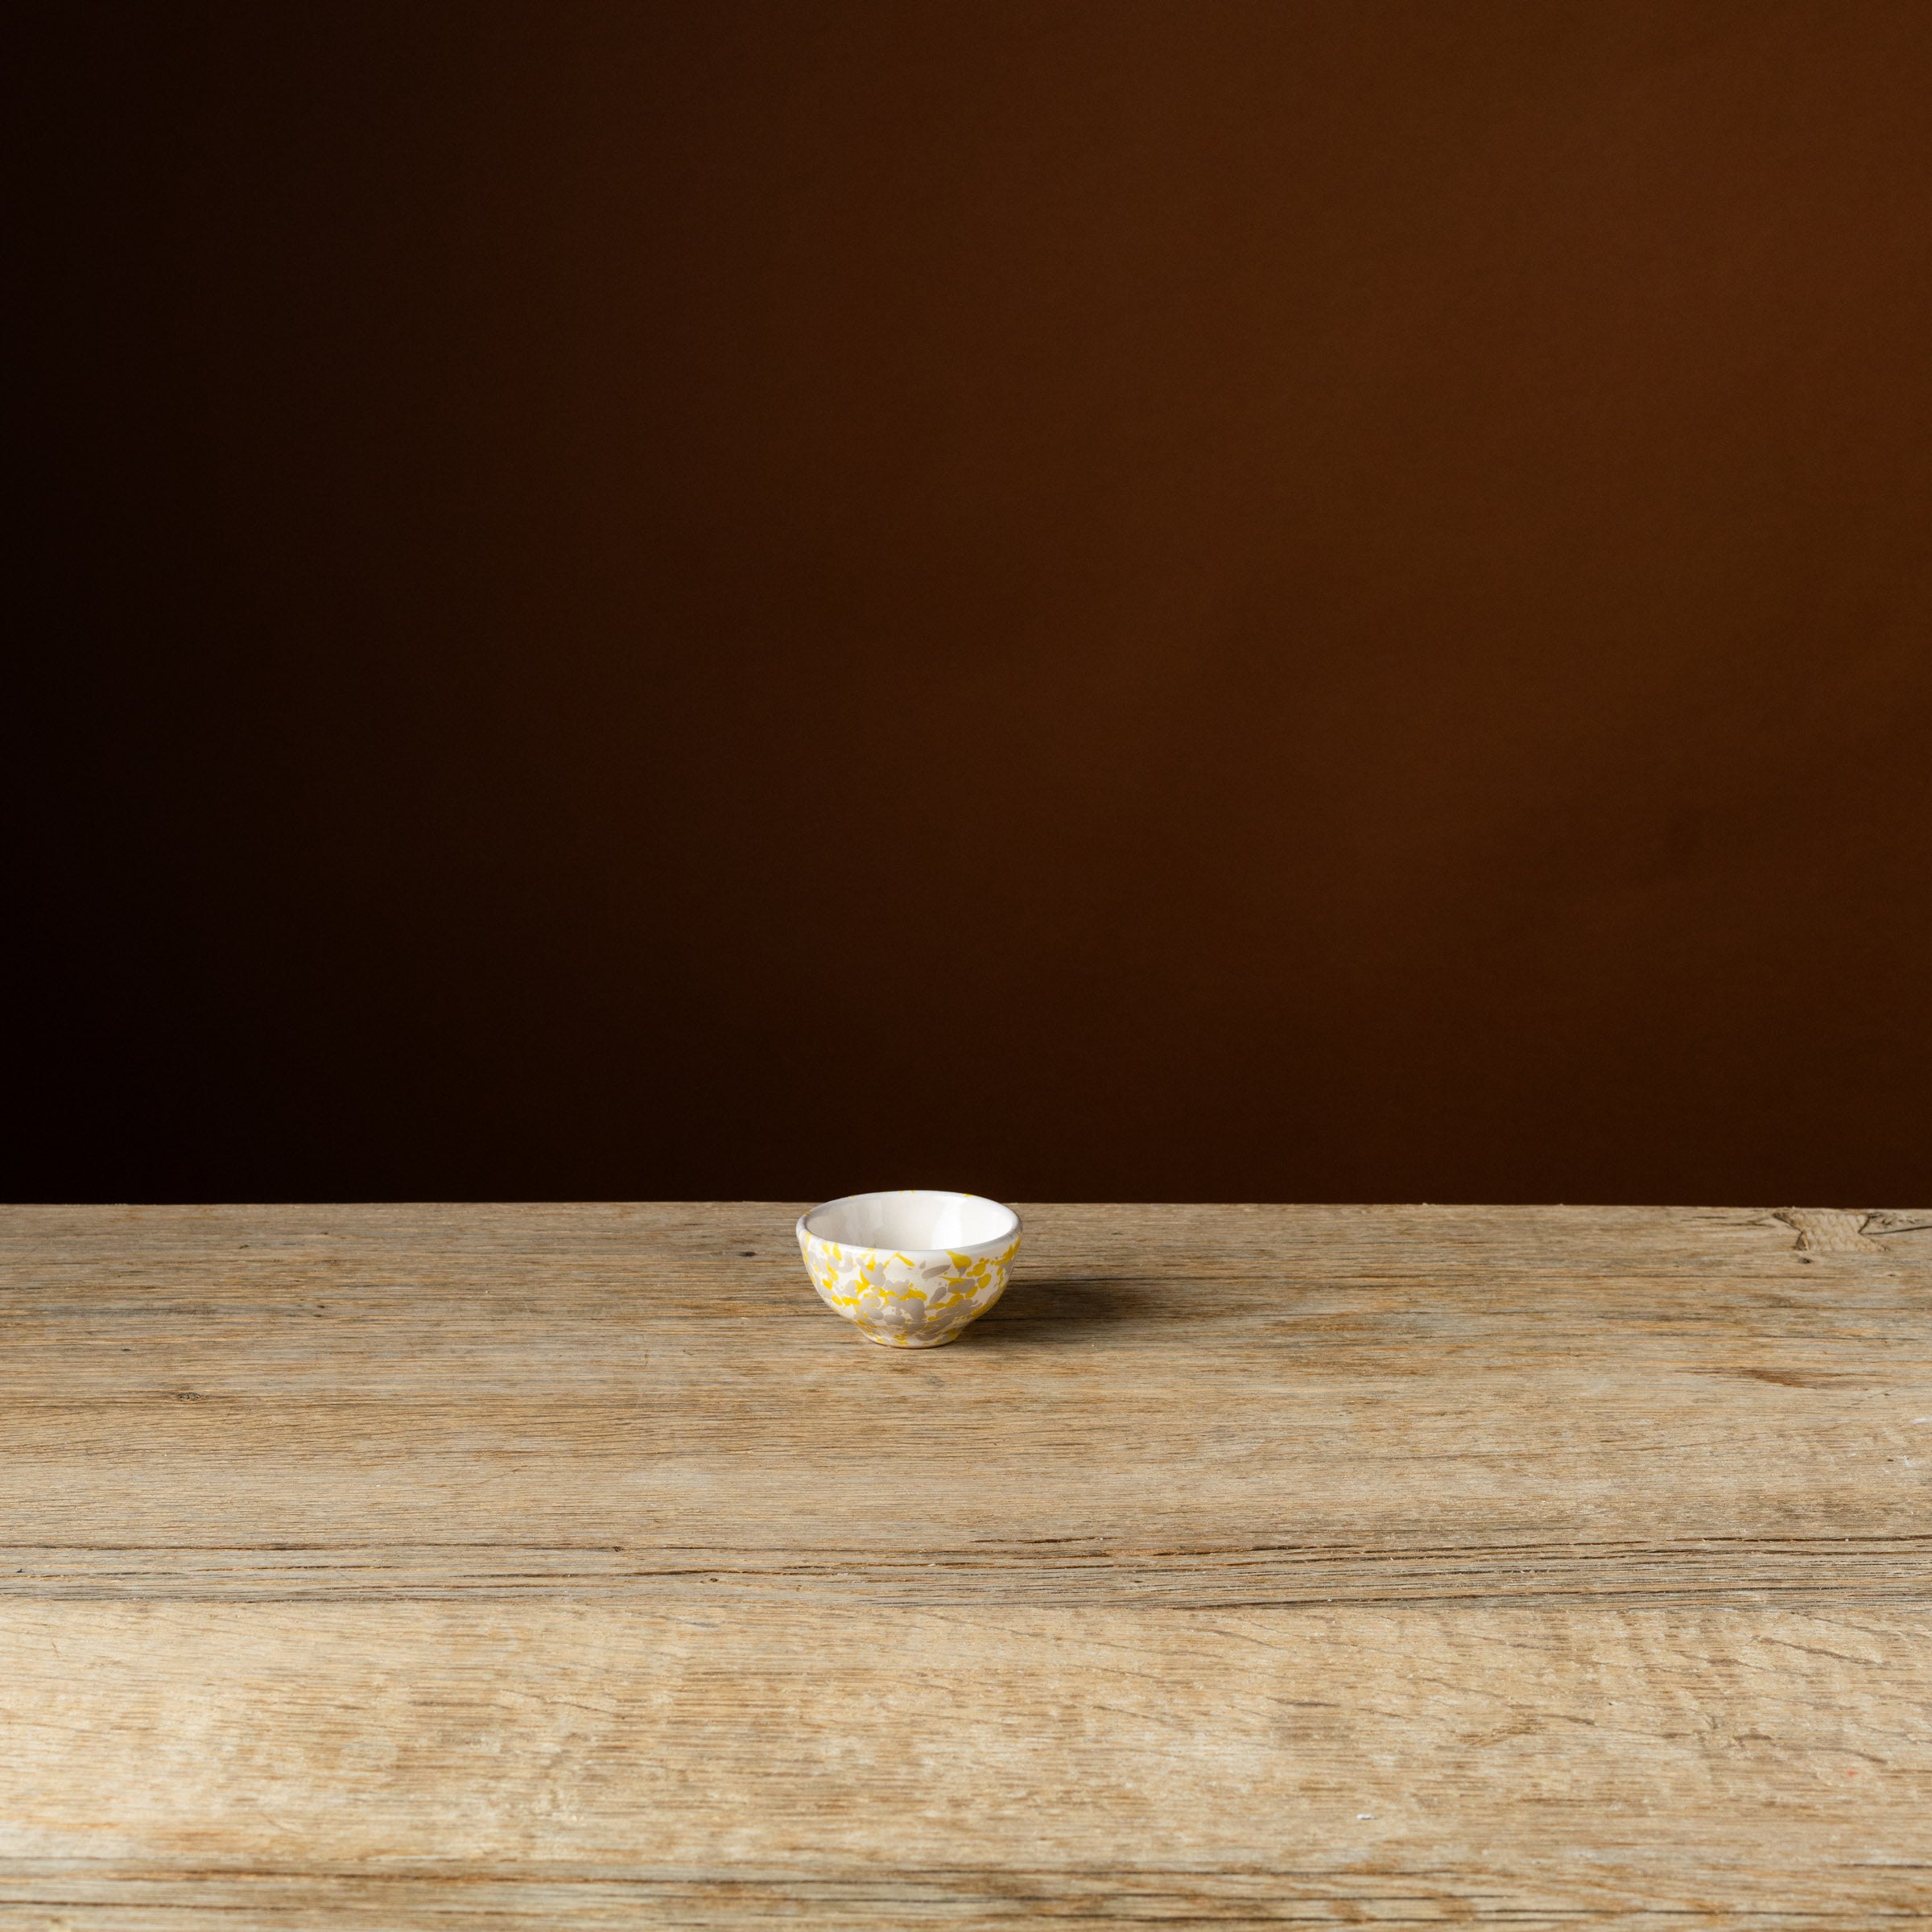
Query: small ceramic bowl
x=911, y=1269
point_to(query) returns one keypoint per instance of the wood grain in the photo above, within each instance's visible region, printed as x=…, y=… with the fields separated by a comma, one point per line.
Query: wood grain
x=569, y=1564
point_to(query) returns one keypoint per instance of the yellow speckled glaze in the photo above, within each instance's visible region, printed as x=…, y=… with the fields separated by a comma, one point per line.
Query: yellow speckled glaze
x=911, y=1297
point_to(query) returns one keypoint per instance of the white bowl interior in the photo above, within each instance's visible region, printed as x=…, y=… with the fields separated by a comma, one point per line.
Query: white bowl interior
x=919, y=1218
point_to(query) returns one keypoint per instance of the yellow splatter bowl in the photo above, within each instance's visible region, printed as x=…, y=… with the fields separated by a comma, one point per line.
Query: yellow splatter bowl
x=910, y=1268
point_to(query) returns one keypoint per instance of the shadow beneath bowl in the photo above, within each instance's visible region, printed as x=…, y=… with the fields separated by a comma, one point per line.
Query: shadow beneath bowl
x=1045, y=1308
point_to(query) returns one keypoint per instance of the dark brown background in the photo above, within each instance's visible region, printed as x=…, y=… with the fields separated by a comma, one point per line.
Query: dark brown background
x=1196, y=601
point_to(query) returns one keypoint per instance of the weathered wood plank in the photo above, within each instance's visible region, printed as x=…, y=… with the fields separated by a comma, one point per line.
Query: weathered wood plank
x=1182, y=1406
x=1416, y=1755
x=1247, y=1566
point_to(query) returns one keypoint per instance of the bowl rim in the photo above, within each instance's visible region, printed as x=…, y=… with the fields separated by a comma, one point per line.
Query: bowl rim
x=991, y=1244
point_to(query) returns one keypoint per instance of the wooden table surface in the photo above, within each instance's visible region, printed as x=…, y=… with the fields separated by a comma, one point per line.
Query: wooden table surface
x=572, y=1565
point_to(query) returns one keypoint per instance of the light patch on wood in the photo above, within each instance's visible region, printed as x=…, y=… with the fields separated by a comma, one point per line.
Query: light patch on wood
x=1831, y=1231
